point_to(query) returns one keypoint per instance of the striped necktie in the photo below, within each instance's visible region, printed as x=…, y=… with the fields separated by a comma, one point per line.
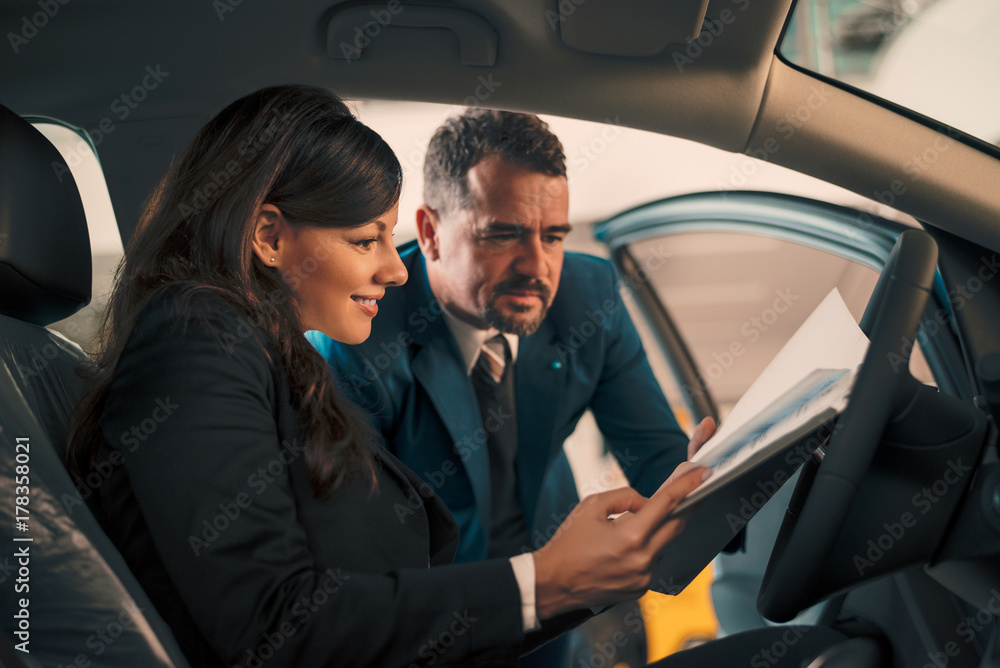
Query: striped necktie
x=493, y=357
x=493, y=380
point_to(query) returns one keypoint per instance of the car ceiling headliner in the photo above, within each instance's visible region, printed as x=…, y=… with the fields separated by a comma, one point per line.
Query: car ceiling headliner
x=732, y=96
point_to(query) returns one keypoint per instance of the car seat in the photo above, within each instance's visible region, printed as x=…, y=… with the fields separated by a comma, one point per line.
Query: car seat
x=71, y=598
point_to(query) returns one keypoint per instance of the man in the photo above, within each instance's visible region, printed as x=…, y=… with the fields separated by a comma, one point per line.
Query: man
x=481, y=365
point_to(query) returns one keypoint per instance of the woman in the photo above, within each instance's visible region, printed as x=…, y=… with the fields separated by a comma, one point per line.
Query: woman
x=252, y=501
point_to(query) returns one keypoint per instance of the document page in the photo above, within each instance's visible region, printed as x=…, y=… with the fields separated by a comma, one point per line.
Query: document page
x=818, y=397
x=757, y=447
x=807, y=383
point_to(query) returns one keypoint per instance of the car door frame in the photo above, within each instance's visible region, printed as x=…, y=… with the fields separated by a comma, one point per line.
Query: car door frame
x=848, y=233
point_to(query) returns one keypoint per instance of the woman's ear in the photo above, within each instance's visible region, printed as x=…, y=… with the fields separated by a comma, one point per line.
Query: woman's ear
x=270, y=231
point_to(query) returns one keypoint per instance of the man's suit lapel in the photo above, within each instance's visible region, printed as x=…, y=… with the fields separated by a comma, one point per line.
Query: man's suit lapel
x=540, y=378
x=438, y=368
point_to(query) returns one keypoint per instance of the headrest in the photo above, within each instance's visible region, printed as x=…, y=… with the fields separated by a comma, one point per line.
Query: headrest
x=45, y=270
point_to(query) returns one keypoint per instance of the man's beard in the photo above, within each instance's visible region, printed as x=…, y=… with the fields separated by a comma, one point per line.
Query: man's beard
x=507, y=323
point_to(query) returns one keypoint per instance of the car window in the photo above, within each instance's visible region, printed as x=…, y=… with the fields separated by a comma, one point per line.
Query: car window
x=934, y=57
x=105, y=241
x=736, y=298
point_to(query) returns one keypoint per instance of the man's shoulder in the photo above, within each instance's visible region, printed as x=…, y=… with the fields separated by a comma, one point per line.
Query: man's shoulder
x=400, y=301
x=586, y=277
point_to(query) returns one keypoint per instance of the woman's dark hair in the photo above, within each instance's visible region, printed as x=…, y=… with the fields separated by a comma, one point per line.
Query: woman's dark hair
x=300, y=149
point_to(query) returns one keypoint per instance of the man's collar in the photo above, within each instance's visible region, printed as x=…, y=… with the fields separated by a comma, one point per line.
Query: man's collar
x=470, y=338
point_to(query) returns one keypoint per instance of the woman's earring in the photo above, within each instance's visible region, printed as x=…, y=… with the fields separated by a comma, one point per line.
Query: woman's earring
x=272, y=259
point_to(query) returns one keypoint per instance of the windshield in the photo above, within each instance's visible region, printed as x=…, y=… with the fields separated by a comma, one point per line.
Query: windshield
x=939, y=58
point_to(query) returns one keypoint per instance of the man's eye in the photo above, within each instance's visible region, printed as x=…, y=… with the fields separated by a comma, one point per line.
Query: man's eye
x=503, y=236
x=553, y=239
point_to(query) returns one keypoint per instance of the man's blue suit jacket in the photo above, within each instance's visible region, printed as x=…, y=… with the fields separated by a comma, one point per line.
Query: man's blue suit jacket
x=410, y=376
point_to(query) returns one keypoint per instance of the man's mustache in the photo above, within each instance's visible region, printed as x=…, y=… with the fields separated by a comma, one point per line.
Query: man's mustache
x=524, y=285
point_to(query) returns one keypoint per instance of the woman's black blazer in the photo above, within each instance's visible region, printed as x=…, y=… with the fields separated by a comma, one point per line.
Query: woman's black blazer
x=205, y=491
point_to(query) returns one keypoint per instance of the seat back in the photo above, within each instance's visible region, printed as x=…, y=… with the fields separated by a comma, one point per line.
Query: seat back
x=80, y=599
x=78, y=604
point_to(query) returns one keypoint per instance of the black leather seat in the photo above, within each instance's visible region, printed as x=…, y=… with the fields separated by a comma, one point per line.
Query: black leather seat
x=83, y=604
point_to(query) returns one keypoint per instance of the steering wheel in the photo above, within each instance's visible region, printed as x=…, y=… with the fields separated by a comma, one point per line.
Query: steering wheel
x=824, y=495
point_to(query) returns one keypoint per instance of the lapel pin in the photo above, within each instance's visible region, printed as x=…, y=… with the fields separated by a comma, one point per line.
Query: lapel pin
x=557, y=365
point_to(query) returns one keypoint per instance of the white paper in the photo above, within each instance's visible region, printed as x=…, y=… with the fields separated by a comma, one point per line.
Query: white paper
x=828, y=339
x=828, y=347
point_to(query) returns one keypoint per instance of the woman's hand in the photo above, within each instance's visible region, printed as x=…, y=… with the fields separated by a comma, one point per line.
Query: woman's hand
x=592, y=560
x=702, y=432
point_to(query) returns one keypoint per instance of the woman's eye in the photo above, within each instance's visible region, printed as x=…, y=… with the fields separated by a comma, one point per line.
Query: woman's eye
x=366, y=244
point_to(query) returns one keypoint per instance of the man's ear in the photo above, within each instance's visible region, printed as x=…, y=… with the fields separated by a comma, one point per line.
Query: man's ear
x=269, y=235
x=427, y=227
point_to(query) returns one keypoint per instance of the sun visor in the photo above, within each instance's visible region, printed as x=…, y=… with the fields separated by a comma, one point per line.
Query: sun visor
x=634, y=28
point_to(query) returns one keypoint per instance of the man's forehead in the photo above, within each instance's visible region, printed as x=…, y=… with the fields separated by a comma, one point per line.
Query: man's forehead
x=494, y=180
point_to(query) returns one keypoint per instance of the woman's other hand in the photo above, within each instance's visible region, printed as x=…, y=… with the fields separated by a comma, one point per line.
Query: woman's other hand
x=593, y=560
x=702, y=432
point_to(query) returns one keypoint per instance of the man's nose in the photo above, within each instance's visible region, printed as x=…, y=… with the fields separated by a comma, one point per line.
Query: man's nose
x=532, y=259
